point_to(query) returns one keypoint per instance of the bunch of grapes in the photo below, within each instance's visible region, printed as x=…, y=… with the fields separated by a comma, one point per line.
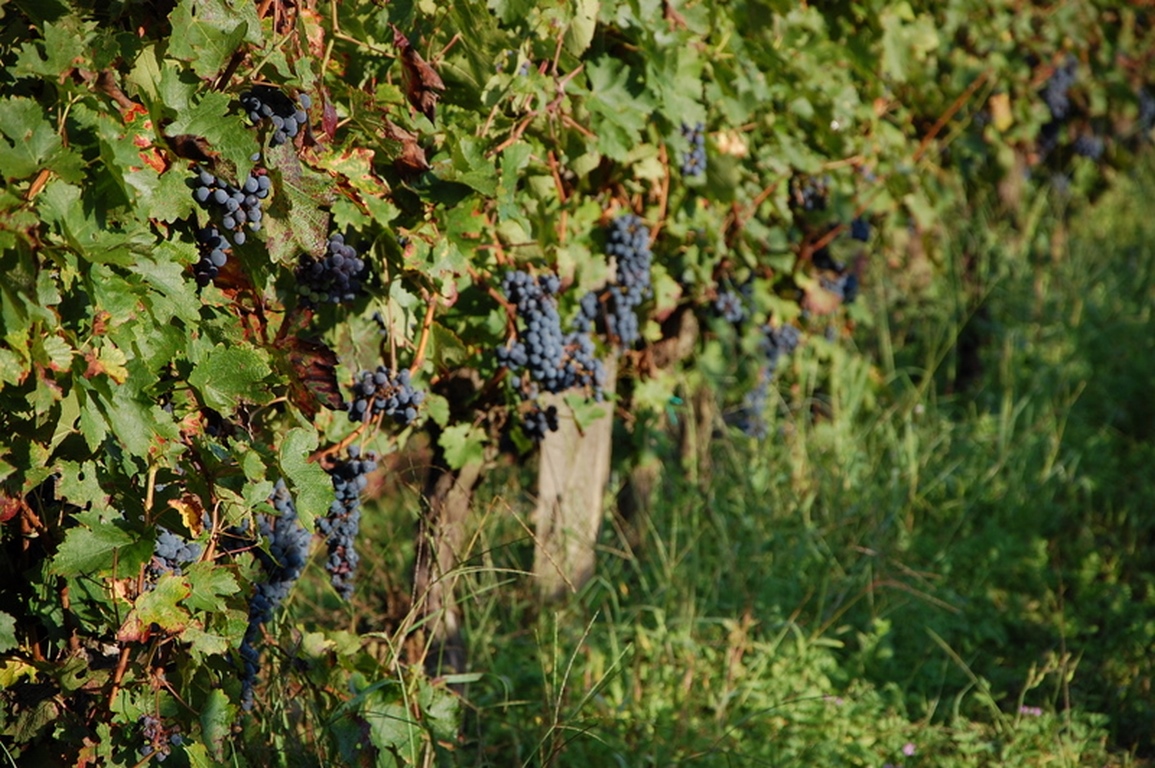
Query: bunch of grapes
x=170, y=553
x=383, y=391
x=288, y=551
x=334, y=278
x=1056, y=95
x=775, y=344
x=628, y=243
x=729, y=305
x=1056, y=91
x=158, y=740
x=343, y=520
x=694, y=161
x=214, y=250
x=1088, y=145
x=810, y=193
x=860, y=229
x=555, y=361
x=844, y=286
x=231, y=206
x=1146, y=117
x=264, y=102
x=537, y=421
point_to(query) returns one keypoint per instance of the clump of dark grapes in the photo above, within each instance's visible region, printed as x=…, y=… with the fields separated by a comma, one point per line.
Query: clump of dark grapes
x=775, y=344
x=158, y=740
x=1088, y=145
x=694, y=161
x=844, y=286
x=538, y=421
x=554, y=360
x=1056, y=95
x=860, y=229
x=282, y=557
x=170, y=553
x=341, y=524
x=1056, y=91
x=628, y=244
x=334, y=278
x=383, y=391
x=1146, y=110
x=230, y=206
x=287, y=117
x=543, y=357
x=214, y=251
x=810, y=193
x=729, y=306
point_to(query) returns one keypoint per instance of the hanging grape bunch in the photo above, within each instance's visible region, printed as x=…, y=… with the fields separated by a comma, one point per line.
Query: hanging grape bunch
x=694, y=161
x=288, y=551
x=382, y=391
x=343, y=520
x=264, y=102
x=628, y=244
x=335, y=278
x=233, y=207
x=552, y=361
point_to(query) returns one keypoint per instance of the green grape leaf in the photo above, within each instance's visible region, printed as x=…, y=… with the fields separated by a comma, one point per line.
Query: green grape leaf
x=207, y=583
x=463, y=444
x=230, y=374
x=310, y=484
x=7, y=633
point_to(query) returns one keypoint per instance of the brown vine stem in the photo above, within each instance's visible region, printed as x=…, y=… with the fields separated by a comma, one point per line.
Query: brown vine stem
x=118, y=676
x=426, y=327
x=514, y=135
x=951, y=111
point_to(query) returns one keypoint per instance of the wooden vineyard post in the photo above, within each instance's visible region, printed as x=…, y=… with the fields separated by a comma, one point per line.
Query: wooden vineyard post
x=573, y=473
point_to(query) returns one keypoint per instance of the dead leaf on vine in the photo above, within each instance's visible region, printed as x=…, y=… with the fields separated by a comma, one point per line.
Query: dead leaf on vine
x=412, y=158
x=422, y=83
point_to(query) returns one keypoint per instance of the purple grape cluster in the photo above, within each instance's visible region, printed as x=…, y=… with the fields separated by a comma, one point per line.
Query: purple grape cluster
x=383, y=391
x=628, y=244
x=1056, y=92
x=810, y=193
x=287, y=551
x=170, y=553
x=860, y=229
x=334, y=278
x=843, y=283
x=1056, y=95
x=844, y=286
x=694, y=161
x=287, y=117
x=1146, y=117
x=775, y=344
x=553, y=360
x=232, y=207
x=1089, y=145
x=729, y=306
x=538, y=421
x=158, y=740
x=340, y=525
x=214, y=251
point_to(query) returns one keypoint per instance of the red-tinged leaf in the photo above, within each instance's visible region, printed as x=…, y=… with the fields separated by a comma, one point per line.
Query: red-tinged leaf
x=329, y=117
x=311, y=368
x=422, y=83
